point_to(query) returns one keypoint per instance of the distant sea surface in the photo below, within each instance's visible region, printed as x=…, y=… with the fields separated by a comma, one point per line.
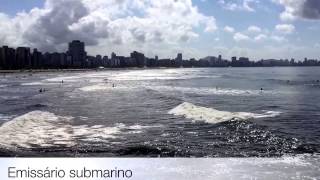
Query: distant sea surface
x=214, y=112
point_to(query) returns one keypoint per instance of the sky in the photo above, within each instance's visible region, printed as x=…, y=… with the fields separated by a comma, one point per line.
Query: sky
x=258, y=29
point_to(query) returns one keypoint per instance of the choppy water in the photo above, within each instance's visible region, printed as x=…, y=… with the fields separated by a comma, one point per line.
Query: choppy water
x=162, y=112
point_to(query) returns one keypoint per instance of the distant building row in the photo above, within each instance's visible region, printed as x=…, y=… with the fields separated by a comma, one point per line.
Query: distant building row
x=76, y=57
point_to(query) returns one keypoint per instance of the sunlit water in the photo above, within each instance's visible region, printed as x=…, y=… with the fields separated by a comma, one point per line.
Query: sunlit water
x=162, y=112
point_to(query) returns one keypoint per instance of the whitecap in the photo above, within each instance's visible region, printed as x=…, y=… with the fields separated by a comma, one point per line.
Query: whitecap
x=36, y=127
x=209, y=91
x=142, y=75
x=65, y=79
x=32, y=84
x=5, y=117
x=105, y=87
x=96, y=87
x=211, y=115
x=45, y=129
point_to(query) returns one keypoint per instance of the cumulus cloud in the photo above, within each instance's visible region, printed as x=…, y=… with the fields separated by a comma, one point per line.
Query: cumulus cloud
x=260, y=37
x=240, y=37
x=279, y=39
x=304, y=9
x=243, y=5
x=285, y=28
x=254, y=29
x=123, y=23
x=229, y=29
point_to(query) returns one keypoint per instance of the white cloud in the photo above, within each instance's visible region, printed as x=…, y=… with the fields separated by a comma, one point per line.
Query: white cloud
x=243, y=5
x=299, y=9
x=260, y=37
x=285, y=28
x=254, y=29
x=240, y=37
x=278, y=39
x=229, y=29
x=121, y=25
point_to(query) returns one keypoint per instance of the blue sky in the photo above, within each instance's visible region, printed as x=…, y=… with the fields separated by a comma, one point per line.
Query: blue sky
x=197, y=28
x=12, y=7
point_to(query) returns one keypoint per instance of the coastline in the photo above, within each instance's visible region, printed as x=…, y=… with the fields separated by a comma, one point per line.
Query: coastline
x=133, y=68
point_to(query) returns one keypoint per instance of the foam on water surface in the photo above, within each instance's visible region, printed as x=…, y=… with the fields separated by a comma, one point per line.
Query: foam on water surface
x=155, y=75
x=211, y=115
x=45, y=129
x=5, y=117
x=33, y=84
x=210, y=91
x=104, y=87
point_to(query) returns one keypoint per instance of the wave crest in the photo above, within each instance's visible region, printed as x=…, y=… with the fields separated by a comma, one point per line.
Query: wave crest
x=211, y=115
x=45, y=129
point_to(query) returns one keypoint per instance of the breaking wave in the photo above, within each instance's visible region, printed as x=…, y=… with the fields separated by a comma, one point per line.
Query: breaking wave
x=210, y=115
x=210, y=91
x=45, y=129
x=5, y=117
x=157, y=75
x=104, y=87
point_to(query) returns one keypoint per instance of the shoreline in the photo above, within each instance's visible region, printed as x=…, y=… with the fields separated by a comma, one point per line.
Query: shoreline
x=133, y=68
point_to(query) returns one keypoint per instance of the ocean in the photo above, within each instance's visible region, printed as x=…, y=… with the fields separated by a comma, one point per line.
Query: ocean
x=196, y=112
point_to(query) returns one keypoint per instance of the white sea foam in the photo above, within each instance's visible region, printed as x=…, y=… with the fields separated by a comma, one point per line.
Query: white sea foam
x=209, y=91
x=142, y=75
x=155, y=75
x=96, y=87
x=5, y=117
x=45, y=129
x=3, y=86
x=105, y=87
x=32, y=84
x=65, y=79
x=36, y=127
x=211, y=115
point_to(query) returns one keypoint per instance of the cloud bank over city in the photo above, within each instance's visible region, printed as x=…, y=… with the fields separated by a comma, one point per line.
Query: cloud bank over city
x=196, y=28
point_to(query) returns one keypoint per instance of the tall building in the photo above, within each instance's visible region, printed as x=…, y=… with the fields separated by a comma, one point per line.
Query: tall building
x=178, y=60
x=36, y=60
x=244, y=62
x=2, y=63
x=9, y=55
x=23, y=57
x=139, y=57
x=105, y=61
x=78, y=54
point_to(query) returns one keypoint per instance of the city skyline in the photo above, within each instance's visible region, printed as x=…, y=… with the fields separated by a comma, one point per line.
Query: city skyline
x=279, y=29
x=76, y=57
